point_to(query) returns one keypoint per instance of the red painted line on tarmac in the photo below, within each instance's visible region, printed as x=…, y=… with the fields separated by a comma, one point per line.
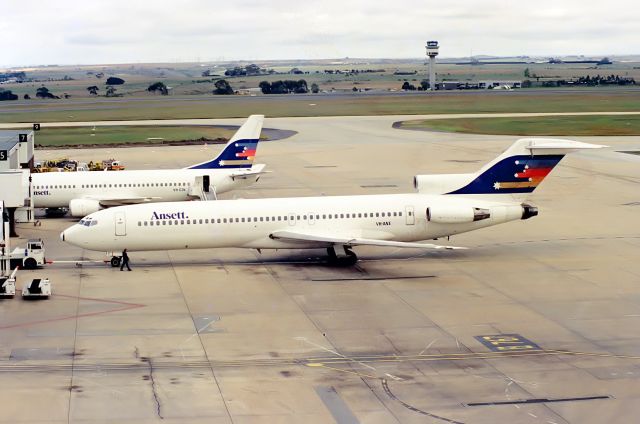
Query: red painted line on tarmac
x=125, y=307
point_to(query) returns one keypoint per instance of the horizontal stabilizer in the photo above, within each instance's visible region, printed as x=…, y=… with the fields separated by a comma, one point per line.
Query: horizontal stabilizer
x=521, y=168
x=346, y=241
x=538, y=145
x=257, y=169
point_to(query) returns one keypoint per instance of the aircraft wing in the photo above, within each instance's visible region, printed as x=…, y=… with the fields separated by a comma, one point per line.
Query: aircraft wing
x=331, y=240
x=107, y=202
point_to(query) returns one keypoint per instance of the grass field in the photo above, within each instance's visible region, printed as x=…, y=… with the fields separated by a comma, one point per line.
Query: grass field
x=552, y=125
x=318, y=105
x=73, y=136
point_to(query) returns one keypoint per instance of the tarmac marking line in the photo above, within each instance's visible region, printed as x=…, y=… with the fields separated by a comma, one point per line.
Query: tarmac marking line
x=387, y=390
x=125, y=307
x=537, y=400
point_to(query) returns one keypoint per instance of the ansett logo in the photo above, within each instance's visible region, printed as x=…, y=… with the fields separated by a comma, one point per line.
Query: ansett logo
x=175, y=215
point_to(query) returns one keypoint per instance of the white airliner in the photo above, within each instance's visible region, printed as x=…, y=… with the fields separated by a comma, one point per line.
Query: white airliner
x=87, y=192
x=444, y=205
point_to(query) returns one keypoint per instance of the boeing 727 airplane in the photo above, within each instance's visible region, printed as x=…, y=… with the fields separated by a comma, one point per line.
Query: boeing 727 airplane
x=444, y=205
x=87, y=192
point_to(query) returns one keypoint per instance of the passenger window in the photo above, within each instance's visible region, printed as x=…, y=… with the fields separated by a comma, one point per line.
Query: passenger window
x=399, y=213
x=330, y=216
x=304, y=217
x=170, y=222
x=182, y=222
x=279, y=218
x=285, y=217
x=145, y=223
x=237, y=219
x=139, y=224
x=224, y=220
x=189, y=221
x=341, y=215
x=164, y=222
x=377, y=214
x=267, y=219
x=218, y=220
x=324, y=216
x=261, y=219
x=175, y=222
x=255, y=219
x=201, y=221
x=317, y=216
x=206, y=221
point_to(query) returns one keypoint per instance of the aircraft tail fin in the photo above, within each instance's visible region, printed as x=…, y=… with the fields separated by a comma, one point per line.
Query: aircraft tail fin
x=516, y=172
x=240, y=151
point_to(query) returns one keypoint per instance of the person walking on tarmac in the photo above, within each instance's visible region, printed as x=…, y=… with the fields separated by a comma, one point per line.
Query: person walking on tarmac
x=125, y=261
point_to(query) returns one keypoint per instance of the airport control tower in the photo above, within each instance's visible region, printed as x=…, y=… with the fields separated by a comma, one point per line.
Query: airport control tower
x=432, y=52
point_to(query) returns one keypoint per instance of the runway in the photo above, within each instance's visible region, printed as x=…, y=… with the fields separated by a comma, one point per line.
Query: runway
x=537, y=322
x=238, y=121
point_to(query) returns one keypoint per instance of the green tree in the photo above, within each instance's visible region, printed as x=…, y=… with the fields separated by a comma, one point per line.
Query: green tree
x=265, y=87
x=314, y=88
x=526, y=73
x=222, y=87
x=111, y=91
x=7, y=95
x=93, y=90
x=44, y=93
x=114, y=81
x=301, y=87
x=158, y=87
x=406, y=86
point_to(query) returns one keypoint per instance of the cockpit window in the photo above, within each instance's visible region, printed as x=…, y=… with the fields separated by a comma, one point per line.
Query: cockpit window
x=88, y=222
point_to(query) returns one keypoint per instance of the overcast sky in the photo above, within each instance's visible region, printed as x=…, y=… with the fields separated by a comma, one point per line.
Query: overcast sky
x=34, y=32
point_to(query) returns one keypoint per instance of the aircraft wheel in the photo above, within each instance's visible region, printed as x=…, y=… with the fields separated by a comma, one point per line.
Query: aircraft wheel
x=351, y=258
x=115, y=262
x=333, y=258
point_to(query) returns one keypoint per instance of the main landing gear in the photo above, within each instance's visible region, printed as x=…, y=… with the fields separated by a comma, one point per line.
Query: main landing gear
x=349, y=258
x=115, y=261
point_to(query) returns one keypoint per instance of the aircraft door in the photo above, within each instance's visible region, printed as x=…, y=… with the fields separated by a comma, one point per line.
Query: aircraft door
x=410, y=217
x=292, y=219
x=206, y=183
x=121, y=224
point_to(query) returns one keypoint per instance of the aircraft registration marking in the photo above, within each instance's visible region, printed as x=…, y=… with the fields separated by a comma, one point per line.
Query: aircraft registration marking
x=507, y=342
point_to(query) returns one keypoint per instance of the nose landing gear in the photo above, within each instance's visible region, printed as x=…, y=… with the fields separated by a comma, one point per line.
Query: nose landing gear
x=349, y=258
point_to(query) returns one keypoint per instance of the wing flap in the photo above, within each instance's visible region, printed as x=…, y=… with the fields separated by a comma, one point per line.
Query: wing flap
x=349, y=241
